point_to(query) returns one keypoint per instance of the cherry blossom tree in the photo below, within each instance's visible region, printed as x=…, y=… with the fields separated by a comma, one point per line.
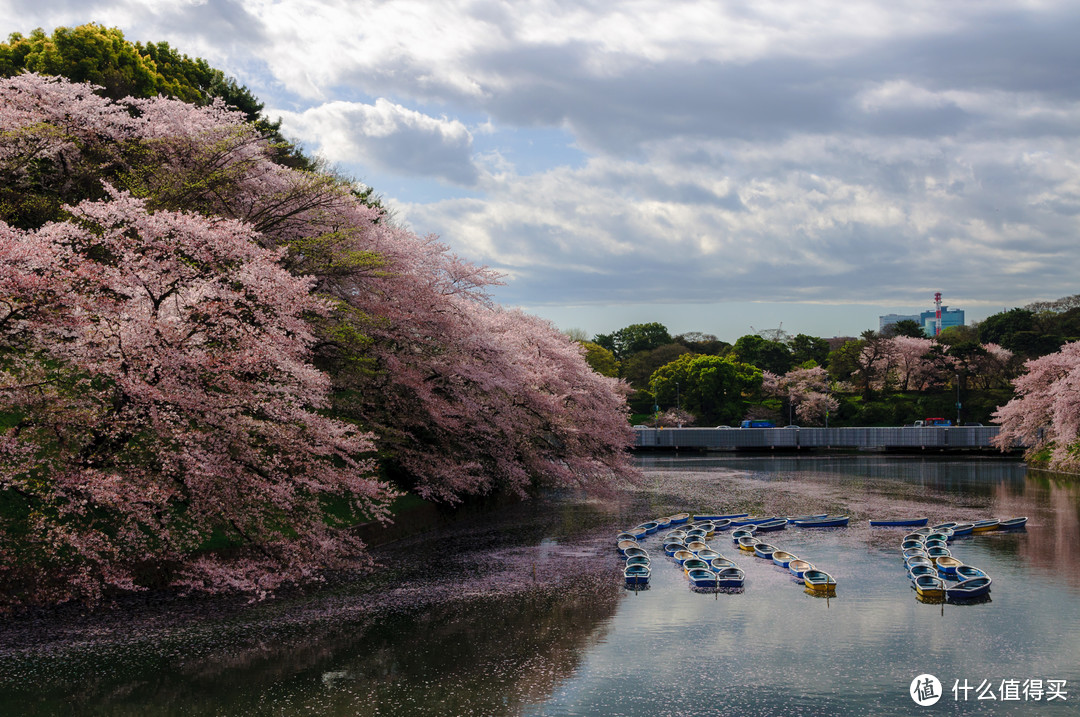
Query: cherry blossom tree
x=157, y=368
x=191, y=399
x=807, y=390
x=1045, y=415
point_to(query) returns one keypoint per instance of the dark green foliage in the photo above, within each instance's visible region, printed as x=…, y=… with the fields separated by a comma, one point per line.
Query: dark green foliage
x=809, y=348
x=905, y=327
x=772, y=356
x=634, y=338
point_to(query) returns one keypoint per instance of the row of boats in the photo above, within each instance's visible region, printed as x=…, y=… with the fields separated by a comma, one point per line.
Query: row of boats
x=931, y=566
x=707, y=568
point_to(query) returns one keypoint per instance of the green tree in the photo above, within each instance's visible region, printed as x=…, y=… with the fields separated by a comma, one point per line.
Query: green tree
x=639, y=368
x=905, y=327
x=700, y=343
x=600, y=359
x=712, y=387
x=634, y=338
x=773, y=356
x=809, y=348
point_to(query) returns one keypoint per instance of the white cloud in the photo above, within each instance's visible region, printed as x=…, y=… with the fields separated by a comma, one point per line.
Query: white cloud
x=387, y=136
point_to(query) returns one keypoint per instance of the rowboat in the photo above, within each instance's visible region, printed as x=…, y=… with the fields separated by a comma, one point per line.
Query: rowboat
x=770, y=525
x=708, y=527
x=917, y=570
x=819, y=581
x=702, y=578
x=742, y=533
x=918, y=560
x=730, y=578
x=967, y=572
x=638, y=560
x=783, y=558
x=749, y=520
x=697, y=545
x=968, y=589
x=798, y=567
x=982, y=526
x=637, y=574
x=915, y=552
x=638, y=533
x=680, y=518
x=680, y=534
x=718, y=564
x=649, y=527
x=936, y=554
x=923, y=530
x=912, y=545
x=714, y=518
x=695, y=564
x=625, y=536
x=624, y=544
x=935, y=543
x=663, y=523
x=962, y=529
x=631, y=552
x=937, y=536
x=1012, y=524
x=838, y=521
x=719, y=526
x=806, y=517
x=946, y=566
x=901, y=523
x=919, y=537
x=681, y=556
x=947, y=532
x=748, y=543
x=671, y=548
x=695, y=534
x=929, y=586
x=764, y=551
x=949, y=525
x=708, y=554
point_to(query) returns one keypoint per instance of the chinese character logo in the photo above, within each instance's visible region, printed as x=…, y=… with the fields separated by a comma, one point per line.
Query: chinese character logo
x=925, y=690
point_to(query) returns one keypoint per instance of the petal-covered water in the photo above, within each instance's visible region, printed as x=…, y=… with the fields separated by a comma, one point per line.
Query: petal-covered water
x=524, y=612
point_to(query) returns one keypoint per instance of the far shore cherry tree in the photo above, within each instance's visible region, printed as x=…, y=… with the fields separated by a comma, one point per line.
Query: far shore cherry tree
x=1045, y=415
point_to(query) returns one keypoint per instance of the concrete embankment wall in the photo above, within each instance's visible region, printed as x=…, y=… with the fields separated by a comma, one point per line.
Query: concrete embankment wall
x=952, y=438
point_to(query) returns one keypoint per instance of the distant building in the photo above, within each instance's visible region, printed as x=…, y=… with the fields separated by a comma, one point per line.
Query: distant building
x=927, y=319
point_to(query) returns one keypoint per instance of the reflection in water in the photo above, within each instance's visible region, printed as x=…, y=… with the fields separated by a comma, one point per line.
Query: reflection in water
x=524, y=612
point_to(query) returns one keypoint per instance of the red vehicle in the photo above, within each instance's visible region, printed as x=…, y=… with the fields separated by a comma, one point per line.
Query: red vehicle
x=934, y=422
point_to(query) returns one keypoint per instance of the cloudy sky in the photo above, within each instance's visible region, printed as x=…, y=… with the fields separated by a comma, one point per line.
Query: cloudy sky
x=717, y=166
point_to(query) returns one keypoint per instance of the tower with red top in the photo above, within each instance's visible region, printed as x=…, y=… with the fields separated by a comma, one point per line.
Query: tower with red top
x=937, y=313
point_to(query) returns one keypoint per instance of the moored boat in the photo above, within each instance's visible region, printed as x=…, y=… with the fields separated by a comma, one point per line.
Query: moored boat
x=764, y=551
x=649, y=527
x=834, y=521
x=950, y=524
x=749, y=520
x=741, y=533
x=783, y=558
x=947, y=565
x=962, y=529
x=631, y=552
x=695, y=564
x=681, y=556
x=918, y=537
x=915, y=552
x=697, y=545
x=796, y=518
x=702, y=578
x=663, y=523
x=680, y=518
x=718, y=564
x=929, y=586
x=638, y=560
x=730, y=578
x=918, y=560
x=798, y=567
x=967, y=572
x=624, y=544
x=982, y=526
x=968, y=589
x=708, y=554
x=819, y=580
x=936, y=536
x=912, y=545
x=714, y=518
x=680, y=534
x=638, y=533
x=748, y=543
x=771, y=525
x=935, y=543
x=636, y=574
x=1012, y=524
x=936, y=554
x=917, y=570
x=626, y=535
x=900, y=523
